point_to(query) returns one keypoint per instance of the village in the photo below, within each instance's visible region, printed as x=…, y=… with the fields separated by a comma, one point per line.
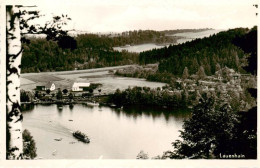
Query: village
x=53, y=93
x=226, y=85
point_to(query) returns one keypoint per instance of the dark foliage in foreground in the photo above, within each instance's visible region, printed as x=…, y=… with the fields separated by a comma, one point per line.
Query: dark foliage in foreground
x=248, y=44
x=29, y=150
x=213, y=131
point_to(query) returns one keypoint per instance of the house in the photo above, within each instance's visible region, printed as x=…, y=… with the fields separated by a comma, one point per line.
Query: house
x=40, y=87
x=76, y=87
x=50, y=85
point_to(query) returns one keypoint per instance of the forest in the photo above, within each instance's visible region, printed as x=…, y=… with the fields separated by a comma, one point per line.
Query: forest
x=94, y=51
x=206, y=52
x=143, y=36
x=90, y=51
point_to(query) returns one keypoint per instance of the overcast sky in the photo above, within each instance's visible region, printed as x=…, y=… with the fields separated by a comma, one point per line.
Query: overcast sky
x=124, y=15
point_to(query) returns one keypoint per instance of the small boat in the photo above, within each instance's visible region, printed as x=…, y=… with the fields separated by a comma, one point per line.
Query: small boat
x=92, y=104
x=81, y=136
x=58, y=139
x=60, y=107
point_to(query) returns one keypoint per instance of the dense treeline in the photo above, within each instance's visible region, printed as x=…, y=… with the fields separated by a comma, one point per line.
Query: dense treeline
x=172, y=32
x=147, y=96
x=206, y=52
x=95, y=51
x=141, y=37
x=92, y=51
x=248, y=44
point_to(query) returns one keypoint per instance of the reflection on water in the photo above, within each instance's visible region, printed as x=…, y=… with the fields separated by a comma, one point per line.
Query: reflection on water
x=115, y=133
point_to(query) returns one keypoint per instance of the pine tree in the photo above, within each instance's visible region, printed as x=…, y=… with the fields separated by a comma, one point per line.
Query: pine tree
x=185, y=74
x=201, y=73
x=218, y=67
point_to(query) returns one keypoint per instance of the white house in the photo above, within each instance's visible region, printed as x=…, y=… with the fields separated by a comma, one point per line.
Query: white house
x=50, y=86
x=79, y=86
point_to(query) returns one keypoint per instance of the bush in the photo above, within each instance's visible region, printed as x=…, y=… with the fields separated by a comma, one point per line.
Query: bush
x=29, y=147
x=142, y=155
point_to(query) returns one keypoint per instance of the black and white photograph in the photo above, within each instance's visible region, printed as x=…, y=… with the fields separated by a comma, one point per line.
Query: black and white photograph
x=131, y=80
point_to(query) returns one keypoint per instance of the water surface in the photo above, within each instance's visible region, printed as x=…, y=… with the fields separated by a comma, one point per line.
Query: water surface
x=114, y=133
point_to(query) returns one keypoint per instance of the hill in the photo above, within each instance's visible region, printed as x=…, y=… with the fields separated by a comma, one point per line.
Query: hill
x=217, y=49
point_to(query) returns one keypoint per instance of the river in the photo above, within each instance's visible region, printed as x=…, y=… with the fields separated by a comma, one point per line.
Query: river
x=114, y=133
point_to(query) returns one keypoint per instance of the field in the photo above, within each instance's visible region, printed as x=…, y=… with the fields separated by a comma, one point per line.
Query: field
x=65, y=79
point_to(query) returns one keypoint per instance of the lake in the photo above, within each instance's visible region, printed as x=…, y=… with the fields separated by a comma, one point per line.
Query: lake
x=114, y=133
x=184, y=37
x=138, y=48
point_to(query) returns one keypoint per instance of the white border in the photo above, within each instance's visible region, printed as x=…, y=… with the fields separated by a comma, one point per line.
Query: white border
x=95, y=163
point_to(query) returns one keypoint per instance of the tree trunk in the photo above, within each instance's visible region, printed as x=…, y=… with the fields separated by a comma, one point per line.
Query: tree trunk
x=13, y=70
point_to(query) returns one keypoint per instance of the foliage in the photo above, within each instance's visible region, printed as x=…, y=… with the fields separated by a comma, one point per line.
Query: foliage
x=141, y=37
x=95, y=85
x=18, y=25
x=87, y=51
x=29, y=150
x=48, y=91
x=91, y=90
x=206, y=52
x=65, y=91
x=59, y=95
x=161, y=77
x=142, y=155
x=147, y=96
x=248, y=44
x=71, y=96
x=185, y=74
x=24, y=97
x=201, y=73
x=209, y=132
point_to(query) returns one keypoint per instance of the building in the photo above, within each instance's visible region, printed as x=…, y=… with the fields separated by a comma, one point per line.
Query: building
x=40, y=87
x=50, y=85
x=77, y=87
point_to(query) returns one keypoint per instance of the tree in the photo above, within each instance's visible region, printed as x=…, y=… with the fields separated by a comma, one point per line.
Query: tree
x=24, y=97
x=142, y=155
x=99, y=90
x=218, y=67
x=91, y=91
x=185, y=74
x=29, y=150
x=71, y=96
x=209, y=132
x=17, y=26
x=48, y=91
x=65, y=91
x=59, y=95
x=248, y=44
x=201, y=73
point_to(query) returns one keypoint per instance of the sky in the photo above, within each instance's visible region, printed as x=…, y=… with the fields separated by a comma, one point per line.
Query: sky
x=125, y=15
